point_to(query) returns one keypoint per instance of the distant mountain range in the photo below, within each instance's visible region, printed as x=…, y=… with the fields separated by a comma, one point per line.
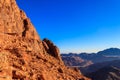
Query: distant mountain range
x=106, y=52
x=102, y=56
x=103, y=65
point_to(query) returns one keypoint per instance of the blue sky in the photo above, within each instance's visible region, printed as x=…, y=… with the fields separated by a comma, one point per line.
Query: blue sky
x=76, y=25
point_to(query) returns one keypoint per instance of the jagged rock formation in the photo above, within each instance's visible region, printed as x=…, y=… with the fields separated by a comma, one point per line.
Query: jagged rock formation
x=23, y=56
x=51, y=49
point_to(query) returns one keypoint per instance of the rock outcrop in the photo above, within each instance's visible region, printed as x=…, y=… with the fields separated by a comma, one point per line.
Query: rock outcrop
x=51, y=49
x=23, y=55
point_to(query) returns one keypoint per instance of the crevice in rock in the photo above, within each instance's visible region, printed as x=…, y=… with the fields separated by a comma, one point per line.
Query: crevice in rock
x=15, y=51
x=17, y=76
x=25, y=22
x=60, y=70
x=13, y=34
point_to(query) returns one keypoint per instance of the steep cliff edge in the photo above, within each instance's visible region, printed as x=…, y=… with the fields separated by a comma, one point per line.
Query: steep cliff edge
x=23, y=55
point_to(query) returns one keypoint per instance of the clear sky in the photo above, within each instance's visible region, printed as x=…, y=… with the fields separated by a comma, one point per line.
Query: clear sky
x=76, y=25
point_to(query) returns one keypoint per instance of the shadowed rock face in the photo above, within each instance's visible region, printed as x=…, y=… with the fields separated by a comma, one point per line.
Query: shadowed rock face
x=106, y=73
x=51, y=49
x=23, y=56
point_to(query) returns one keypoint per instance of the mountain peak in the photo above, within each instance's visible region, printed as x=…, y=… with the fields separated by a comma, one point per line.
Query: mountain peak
x=110, y=51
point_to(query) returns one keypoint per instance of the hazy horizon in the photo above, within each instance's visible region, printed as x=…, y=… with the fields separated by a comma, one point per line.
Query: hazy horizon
x=76, y=25
x=89, y=52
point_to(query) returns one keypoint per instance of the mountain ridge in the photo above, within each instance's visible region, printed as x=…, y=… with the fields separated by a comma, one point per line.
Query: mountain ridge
x=99, y=52
x=97, y=57
x=110, y=51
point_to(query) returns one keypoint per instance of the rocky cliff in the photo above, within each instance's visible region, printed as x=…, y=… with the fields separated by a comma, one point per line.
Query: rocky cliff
x=23, y=55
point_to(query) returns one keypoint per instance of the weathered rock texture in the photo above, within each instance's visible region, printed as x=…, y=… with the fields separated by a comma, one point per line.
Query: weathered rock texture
x=23, y=56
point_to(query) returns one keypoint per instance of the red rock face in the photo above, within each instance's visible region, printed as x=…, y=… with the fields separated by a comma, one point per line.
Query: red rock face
x=23, y=56
x=14, y=21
